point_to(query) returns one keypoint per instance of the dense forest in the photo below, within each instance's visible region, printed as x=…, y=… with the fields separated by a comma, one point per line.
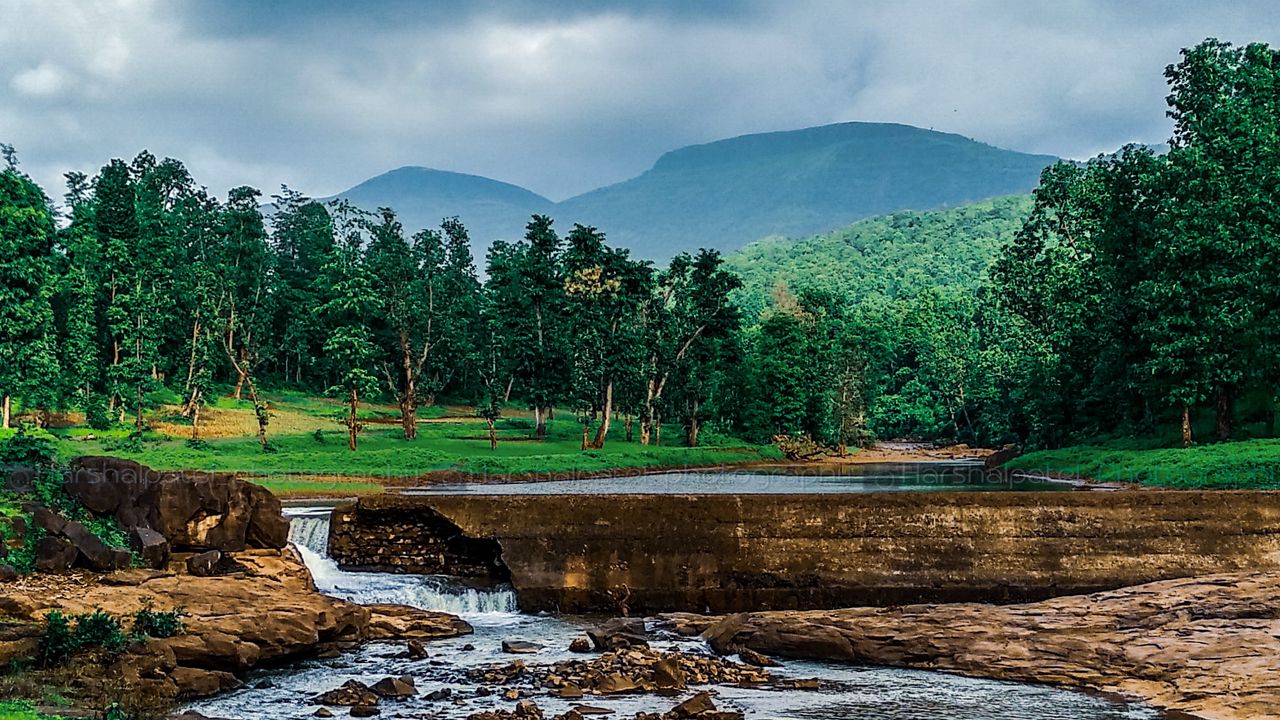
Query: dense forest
x=1132, y=294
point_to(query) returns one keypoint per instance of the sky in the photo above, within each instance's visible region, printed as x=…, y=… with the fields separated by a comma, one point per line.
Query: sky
x=562, y=96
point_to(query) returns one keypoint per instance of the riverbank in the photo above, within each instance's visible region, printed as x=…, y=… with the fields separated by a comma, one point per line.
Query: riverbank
x=1244, y=464
x=268, y=611
x=1208, y=646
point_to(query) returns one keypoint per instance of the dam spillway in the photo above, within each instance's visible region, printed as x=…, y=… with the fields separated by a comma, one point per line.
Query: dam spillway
x=735, y=552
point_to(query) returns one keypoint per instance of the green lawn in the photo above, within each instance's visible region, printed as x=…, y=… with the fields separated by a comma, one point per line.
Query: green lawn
x=22, y=711
x=1253, y=464
x=311, y=458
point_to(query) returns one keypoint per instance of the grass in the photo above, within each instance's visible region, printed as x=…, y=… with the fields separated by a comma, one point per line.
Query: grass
x=22, y=711
x=311, y=458
x=1244, y=464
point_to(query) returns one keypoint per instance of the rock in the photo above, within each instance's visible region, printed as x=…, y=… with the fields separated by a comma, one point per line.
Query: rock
x=54, y=554
x=394, y=688
x=191, y=510
x=352, y=693
x=591, y=710
x=619, y=633
x=569, y=691
x=365, y=711
x=693, y=707
x=580, y=645
x=441, y=694
x=751, y=657
x=323, y=713
x=667, y=674
x=1203, y=647
x=528, y=709
x=150, y=545
x=518, y=647
x=402, y=622
x=1000, y=457
x=415, y=650
x=195, y=682
x=512, y=694
x=96, y=554
x=204, y=564
x=7, y=572
x=616, y=684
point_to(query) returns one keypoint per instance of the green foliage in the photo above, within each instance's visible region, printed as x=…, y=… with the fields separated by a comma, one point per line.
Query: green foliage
x=99, y=629
x=158, y=624
x=29, y=447
x=58, y=643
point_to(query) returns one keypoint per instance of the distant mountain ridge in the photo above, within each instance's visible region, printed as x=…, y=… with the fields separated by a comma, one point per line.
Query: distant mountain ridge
x=728, y=193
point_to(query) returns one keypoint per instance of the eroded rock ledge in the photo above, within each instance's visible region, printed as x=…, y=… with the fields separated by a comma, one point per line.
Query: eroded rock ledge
x=1208, y=646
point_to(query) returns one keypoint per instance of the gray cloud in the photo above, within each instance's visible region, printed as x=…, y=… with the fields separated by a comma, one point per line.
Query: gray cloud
x=562, y=97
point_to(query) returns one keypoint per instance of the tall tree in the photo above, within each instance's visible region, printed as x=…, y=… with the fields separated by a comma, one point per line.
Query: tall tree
x=28, y=358
x=349, y=304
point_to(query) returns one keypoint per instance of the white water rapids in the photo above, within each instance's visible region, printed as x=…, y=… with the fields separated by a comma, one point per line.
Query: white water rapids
x=849, y=692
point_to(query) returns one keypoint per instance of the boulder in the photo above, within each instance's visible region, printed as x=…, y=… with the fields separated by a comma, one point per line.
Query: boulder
x=54, y=554
x=365, y=711
x=195, y=511
x=580, y=645
x=619, y=633
x=352, y=693
x=97, y=554
x=46, y=519
x=204, y=564
x=1000, y=457
x=519, y=647
x=395, y=688
x=150, y=545
x=693, y=707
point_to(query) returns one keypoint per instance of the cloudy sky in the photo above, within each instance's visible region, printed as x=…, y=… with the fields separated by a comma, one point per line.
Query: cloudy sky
x=563, y=96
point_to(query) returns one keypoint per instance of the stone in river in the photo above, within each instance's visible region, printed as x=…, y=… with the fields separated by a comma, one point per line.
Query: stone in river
x=394, y=688
x=365, y=711
x=580, y=645
x=693, y=707
x=751, y=657
x=519, y=647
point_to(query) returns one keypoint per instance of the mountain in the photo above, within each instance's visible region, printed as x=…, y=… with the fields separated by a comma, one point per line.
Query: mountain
x=422, y=197
x=892, y=256
x=728, y=193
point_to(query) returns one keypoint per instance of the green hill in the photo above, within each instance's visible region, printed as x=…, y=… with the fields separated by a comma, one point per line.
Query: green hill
x=725, y=194
x=896, y=255
x=728, y=193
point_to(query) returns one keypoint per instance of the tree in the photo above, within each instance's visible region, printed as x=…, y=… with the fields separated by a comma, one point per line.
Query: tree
x=349, y=303
x=302, y=240
x=691, y=305
x=28, y=359
x=605, y=290
x=117, y=230
x=526, y=292
x=243, y=298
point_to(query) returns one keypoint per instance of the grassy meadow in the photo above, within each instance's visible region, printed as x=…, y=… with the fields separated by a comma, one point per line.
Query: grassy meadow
x=309, y=456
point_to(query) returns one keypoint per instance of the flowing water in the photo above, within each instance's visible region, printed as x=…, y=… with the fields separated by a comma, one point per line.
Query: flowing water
x=848, y=692
x=941, y=476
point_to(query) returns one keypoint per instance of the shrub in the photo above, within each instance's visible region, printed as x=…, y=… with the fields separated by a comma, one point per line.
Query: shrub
x=58, y=643
x=29, y=447
x=97, y=414
x=99, y=629
x=151, y=623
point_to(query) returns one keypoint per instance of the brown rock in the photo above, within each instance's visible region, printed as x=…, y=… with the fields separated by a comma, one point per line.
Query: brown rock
x=395, y=688
x=54, y=554
x=619, y=633
x=365, y=711
x=580, y=645
x=352, y=693
x=519, y=647
x=195, y=683
x=667, y=674
x=751, y=657
x=150, y=545
x=402, y=622
x=204, y=564
x=694, y=707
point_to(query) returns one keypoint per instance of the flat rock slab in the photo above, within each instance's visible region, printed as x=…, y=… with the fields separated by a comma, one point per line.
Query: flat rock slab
x=1207, y=646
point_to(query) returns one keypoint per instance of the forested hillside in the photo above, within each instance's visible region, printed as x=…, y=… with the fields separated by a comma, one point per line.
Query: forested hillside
x=1136, y=294
x=726, y=194
x=894, y=256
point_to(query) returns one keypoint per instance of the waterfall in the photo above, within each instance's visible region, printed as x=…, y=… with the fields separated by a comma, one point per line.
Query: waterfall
x=309, y=531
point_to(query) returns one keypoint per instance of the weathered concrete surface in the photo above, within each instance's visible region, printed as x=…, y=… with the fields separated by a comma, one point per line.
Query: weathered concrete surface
x=729, y=553
x=1207, y=646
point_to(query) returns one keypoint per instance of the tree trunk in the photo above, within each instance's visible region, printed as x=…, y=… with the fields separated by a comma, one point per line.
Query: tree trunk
x=137, y=423
x=539, y=423
x=603, y=432
x=493, y=434
x=6, y=412
x=409, y=396
x=241, y=376
x=195, y=420
x=259, y=412
x=409, y=418
x=352, y=426
x=694, y=426
x=585, y=428
x=628, y=426
x=1186, y=426
x=1224, y=412
x=191, y=361
x=657, y=431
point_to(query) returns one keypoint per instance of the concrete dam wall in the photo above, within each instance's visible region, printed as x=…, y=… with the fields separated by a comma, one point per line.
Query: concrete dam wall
x=730, y=553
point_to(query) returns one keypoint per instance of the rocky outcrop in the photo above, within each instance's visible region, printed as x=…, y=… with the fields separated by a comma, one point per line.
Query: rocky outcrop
x=728, y=553
x=269, y=613
x=1208, y=646
x=191, y=510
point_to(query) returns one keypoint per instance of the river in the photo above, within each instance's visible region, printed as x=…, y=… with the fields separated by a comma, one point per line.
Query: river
x=846, y=693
